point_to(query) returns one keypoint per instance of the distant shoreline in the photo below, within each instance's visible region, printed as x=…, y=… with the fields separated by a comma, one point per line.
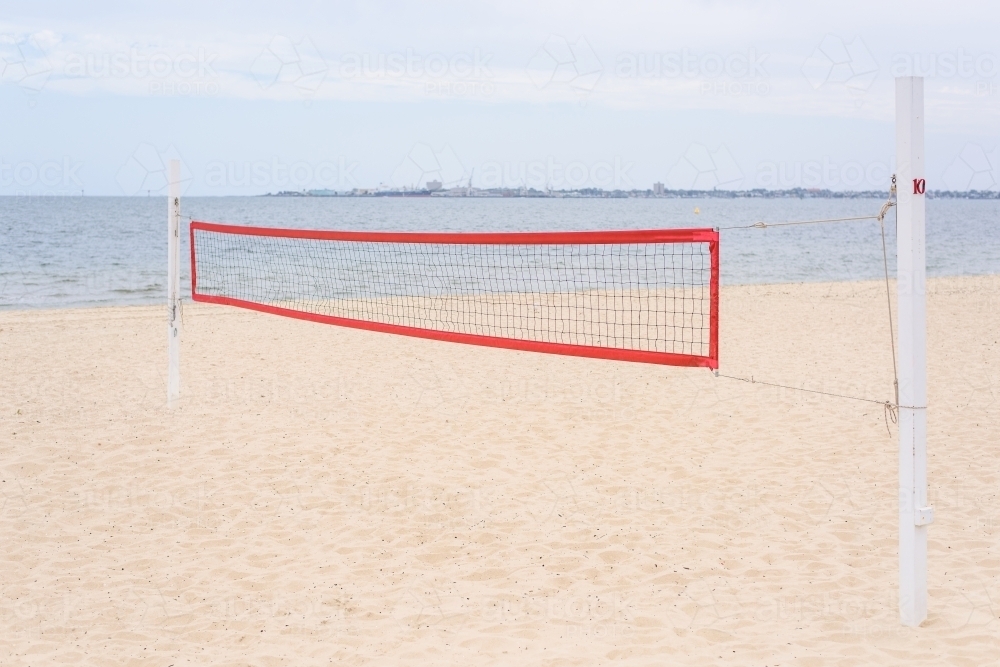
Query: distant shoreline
x=973, y=195
x=593, y=193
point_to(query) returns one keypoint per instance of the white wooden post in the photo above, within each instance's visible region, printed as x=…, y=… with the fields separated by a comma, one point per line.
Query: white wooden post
x=914, y=512
x=173, y=282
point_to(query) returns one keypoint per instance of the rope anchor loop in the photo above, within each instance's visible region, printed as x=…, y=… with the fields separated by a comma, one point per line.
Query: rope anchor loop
x=890, y=408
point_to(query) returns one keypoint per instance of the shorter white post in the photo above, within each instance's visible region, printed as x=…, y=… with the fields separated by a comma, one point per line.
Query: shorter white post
x=173, y=282
x=914, y=512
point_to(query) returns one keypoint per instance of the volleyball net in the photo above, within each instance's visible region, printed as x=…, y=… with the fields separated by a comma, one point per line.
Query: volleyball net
x=648, y=296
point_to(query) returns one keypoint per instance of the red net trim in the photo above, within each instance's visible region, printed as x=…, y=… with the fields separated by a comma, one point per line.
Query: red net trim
x=649, y=296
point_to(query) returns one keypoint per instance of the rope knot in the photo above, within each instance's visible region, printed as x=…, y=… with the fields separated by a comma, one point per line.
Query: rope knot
x=885, y=209
x=891, y=414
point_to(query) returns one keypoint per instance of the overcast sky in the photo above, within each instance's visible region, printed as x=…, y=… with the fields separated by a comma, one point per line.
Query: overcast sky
x=259, y=97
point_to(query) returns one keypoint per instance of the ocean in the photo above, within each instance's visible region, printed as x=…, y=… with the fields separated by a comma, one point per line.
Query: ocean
x=62, y=252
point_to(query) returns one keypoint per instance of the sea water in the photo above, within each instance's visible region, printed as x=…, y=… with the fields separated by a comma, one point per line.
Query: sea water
x=60, y=252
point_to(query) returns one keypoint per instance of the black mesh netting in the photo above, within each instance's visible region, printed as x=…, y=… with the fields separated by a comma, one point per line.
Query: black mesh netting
x=632, y=296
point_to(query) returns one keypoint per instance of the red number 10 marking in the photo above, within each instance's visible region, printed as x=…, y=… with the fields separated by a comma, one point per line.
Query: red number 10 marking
x=918, y=186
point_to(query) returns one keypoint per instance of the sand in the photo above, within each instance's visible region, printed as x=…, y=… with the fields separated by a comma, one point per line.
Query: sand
x=323, y=495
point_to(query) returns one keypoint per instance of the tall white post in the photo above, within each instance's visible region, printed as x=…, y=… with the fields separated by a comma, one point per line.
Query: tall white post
x=173, y=282
x=914, y=513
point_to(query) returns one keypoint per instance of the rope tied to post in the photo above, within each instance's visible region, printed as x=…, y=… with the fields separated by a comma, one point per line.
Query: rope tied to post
x=890, y=408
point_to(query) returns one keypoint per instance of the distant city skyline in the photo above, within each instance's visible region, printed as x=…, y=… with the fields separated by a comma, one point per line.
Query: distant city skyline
x=358, y=95
x=757, y=193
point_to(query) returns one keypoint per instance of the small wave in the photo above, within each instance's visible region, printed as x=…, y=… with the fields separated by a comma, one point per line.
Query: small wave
x=141, y=290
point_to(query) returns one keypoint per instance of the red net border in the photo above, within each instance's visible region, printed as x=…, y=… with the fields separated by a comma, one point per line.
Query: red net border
x=697, y=235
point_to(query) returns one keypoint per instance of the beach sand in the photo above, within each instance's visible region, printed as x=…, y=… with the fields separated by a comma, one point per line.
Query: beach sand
x=326, y=495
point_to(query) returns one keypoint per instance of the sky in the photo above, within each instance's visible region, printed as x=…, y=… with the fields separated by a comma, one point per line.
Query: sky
x=258, y=97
